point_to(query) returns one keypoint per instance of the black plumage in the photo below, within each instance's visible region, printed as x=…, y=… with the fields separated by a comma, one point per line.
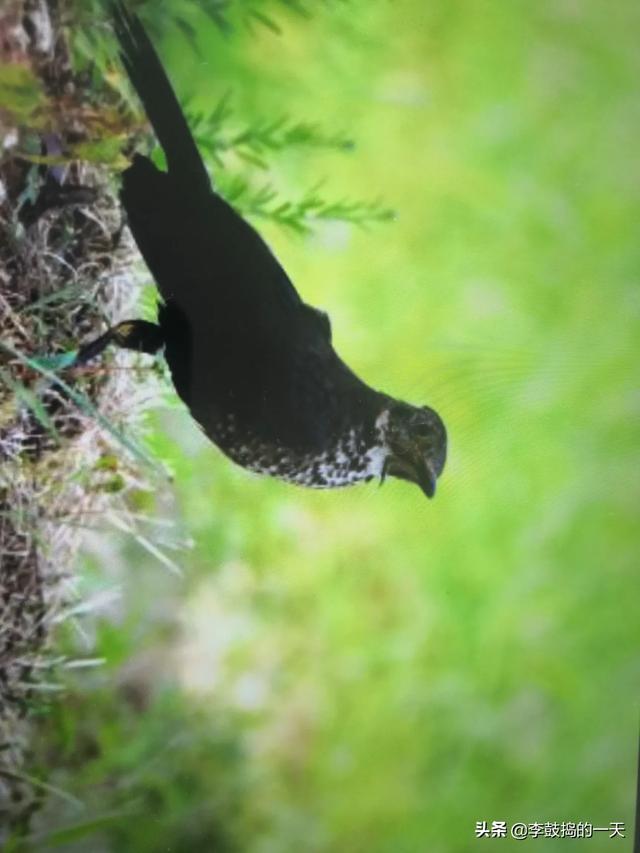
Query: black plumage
x=254, y=364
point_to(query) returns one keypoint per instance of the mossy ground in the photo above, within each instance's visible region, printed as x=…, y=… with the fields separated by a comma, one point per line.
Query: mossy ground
x=65, y=273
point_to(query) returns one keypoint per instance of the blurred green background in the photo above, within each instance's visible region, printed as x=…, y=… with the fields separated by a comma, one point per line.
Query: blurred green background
x=363, y=670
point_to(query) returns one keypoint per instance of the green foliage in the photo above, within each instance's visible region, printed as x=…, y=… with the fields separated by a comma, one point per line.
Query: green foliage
x=215, y=135
x=223, y=141
x=107, y=151
x=133, y=757
x=229, y=15
x=300, y=215
x=21, y=96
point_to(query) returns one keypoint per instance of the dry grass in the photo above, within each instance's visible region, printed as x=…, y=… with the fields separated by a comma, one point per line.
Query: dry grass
x=64, y=275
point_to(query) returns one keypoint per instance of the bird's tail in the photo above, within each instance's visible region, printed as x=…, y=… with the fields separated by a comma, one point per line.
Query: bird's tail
x=154, y=89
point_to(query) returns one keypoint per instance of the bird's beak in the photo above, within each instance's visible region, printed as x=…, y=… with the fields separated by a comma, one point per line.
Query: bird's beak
x=425, y=477
x=416, y=469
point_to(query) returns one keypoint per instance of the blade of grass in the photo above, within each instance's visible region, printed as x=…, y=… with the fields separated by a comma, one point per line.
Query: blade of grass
x=33, y=403
x=43, y=786
x=88, y=408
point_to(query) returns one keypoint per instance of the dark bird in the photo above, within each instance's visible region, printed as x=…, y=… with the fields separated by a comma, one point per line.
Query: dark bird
x=254, y=364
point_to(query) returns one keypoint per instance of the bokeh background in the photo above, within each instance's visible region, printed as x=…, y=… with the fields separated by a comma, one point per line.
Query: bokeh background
x=363, y=670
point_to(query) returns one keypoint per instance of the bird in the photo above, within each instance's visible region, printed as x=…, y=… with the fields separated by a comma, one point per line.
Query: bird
x=254, y=364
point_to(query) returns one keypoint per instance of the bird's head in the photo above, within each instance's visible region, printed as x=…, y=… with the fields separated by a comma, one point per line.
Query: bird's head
x=416, y=443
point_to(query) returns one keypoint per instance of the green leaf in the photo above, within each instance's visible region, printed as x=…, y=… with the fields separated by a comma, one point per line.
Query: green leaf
x=56, y=362
x=21, y=94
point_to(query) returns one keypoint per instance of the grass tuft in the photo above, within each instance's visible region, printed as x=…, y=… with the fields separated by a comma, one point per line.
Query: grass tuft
x=68, y=452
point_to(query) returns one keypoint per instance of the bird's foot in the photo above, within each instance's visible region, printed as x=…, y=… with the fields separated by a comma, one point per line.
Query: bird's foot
x=138, y=335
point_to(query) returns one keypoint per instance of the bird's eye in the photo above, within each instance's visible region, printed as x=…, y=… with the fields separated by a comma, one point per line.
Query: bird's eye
x=422, y=430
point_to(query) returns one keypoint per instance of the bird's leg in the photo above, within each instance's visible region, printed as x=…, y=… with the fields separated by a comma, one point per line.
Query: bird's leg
x=137, y=335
